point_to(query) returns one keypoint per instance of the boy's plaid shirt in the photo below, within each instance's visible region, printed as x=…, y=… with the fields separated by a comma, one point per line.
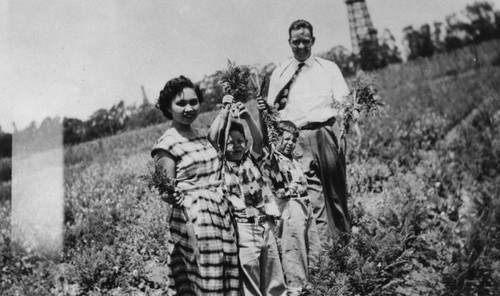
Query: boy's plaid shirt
x=246, y=187
x=285, y=174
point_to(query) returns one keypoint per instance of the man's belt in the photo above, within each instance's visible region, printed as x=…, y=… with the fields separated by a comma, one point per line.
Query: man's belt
x=253, y=220
x=317, y=125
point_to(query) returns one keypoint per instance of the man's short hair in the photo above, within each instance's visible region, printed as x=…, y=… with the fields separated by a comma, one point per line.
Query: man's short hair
x=299, y=24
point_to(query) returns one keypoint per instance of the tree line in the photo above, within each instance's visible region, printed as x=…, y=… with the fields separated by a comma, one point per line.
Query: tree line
x=102, y=123
x=481, y=23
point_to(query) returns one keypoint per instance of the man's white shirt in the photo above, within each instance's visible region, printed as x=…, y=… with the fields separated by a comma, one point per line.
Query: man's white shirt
x=312, y=93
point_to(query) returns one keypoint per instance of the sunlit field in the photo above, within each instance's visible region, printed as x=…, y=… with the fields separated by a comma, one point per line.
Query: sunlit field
x=424, y=203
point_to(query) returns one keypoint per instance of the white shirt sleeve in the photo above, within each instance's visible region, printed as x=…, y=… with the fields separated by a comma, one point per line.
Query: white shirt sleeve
x=340, y=88
x=274, y=85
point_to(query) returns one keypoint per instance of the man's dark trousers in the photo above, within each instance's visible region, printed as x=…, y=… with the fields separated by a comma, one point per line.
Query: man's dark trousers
x=325, y=164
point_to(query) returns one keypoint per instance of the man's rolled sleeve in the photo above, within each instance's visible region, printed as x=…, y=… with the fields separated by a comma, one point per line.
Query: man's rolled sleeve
x=340, y=88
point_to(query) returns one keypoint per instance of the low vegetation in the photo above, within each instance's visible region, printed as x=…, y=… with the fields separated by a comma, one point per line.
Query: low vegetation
x=425, y=207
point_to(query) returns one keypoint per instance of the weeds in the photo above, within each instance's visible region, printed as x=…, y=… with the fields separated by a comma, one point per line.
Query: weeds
x=425, y=213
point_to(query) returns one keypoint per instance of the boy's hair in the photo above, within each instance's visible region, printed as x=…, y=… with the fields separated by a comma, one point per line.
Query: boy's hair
x=288, y=126
x=235, y=126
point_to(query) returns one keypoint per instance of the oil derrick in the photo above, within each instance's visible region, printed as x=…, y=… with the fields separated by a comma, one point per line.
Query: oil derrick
x=364, y=39
x=360, y=24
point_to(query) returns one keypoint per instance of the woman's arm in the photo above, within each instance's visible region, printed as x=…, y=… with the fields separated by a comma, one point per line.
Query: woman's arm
x=165, y=163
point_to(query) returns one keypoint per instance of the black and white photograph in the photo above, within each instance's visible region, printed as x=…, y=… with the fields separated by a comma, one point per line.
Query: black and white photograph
x=250, y=147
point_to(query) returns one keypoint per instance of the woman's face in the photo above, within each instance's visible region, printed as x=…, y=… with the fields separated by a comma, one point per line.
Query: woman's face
x=185, y=107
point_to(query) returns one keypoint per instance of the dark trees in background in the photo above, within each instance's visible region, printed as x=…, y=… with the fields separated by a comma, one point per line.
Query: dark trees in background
x=375, y=53
x=101, y=123
x=497, y=24
x=5, y=144
x=482, y=24
x=426, y=47
x=73, y=131
x=419, y=43
x=388, y=48
x=120, y=118
x=144, y=115
x=482, y=21
x=370, y=55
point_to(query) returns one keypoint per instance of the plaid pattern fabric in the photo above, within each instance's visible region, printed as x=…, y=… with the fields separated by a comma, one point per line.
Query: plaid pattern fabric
x=202, y=245
x=245, y=187
x=196, y=159
x=285, y=174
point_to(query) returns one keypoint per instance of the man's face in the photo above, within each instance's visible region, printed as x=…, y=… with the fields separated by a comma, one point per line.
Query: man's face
x=301, y=43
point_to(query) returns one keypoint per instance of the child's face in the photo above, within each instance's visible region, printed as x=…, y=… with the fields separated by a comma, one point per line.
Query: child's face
x=236, y=146
x=286, y=143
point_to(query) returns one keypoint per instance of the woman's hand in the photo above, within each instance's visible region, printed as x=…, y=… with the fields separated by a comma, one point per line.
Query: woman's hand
x=261, y=104
x=173, y=198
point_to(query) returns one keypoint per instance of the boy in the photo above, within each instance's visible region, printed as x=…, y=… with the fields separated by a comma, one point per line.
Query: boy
x=253, y=205
x=299, y=238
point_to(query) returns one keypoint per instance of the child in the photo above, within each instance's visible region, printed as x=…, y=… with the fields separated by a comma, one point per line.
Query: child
x=252, y=203
x=299, y=238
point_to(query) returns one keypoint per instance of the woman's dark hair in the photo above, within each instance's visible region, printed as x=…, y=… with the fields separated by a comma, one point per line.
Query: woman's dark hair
x=235, y=126
x=299, y=24
x=172, y=88
x=288, y=126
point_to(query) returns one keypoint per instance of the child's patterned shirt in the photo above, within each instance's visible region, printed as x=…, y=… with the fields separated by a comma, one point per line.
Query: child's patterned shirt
x=246, y=188
x=285, y=174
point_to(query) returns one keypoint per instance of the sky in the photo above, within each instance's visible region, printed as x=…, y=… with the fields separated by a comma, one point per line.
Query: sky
x=69, y=58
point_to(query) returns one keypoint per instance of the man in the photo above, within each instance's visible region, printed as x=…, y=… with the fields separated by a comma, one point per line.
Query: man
x=304, y=89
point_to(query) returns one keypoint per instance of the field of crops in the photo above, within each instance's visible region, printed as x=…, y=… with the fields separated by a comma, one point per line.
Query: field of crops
x=424, y=187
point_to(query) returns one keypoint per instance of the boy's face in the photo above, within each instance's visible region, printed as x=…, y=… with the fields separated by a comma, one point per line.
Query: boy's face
x=286, y=143
x=236, y=146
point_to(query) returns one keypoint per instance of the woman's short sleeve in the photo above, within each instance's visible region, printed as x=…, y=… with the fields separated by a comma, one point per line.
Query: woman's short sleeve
x=169, y=144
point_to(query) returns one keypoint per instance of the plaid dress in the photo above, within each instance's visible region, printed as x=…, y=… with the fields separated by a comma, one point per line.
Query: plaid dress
x=202, y=244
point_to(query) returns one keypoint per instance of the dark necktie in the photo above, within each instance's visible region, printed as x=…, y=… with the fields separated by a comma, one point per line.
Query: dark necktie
x=282, y=97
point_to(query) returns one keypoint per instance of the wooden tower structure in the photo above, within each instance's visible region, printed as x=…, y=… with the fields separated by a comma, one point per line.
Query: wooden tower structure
x=360, y=24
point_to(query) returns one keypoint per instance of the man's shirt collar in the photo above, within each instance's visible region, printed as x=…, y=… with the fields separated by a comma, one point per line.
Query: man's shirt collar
x=309, y=62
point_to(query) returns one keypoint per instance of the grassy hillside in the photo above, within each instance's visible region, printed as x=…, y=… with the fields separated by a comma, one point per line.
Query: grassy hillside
x=425, y=210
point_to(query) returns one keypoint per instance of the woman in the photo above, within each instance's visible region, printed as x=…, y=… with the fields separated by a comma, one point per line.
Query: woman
x=203, y=251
